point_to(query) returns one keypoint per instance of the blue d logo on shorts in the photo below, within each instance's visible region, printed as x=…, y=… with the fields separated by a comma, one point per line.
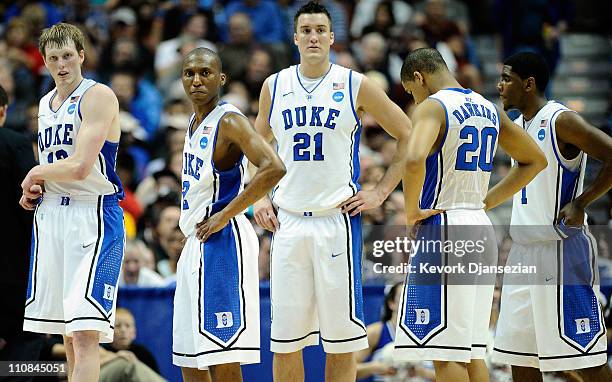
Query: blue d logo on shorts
x=203, y=142
x=338, y=96
x=71, y=108
x=541, y=134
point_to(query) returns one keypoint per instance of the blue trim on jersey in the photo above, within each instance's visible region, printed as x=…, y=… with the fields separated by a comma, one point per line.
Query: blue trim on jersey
x=430, y=185
x=273, y=97
x=553, y=137
x=569, y=182
x=356, y=167
x=222, y=284
x=297, y=73
x=578, y=298
x=109, y=152
x=229, y=181
x=460, y=90
x=110, y=256
x=31, y=291
x=62, y=104
x=81, y=98
x=192, y=120
x=357, y=252
x=439, y=148
x=423, y=291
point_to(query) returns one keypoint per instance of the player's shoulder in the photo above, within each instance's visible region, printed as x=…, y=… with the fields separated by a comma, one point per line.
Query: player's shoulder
x=99, y=95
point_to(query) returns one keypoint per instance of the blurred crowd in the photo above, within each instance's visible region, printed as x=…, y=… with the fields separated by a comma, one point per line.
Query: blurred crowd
x=136, y=47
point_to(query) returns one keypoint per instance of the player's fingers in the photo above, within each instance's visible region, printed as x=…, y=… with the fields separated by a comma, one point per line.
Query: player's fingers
x=348, y=201
x=350, y=207
x=275, y=225
x=265, y=221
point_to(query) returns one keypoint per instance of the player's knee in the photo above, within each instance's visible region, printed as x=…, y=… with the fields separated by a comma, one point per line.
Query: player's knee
x=288, y=356
x=340, y=358
x=86, y=339
x=441, y=365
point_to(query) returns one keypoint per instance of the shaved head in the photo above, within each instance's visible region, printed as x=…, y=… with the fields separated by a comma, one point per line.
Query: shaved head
x=204, y=52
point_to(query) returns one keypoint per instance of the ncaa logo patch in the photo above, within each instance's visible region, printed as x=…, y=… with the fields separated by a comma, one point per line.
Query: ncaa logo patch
x=338, y=96
x=71, y=108
x=203, y=142
x=541, y=134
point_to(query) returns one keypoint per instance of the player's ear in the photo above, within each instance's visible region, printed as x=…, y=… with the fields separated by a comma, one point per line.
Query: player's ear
x=81, y=56
x=295, y=39
x=529, y=84
x=223, y=79
x=331, y=38
x=418, y=78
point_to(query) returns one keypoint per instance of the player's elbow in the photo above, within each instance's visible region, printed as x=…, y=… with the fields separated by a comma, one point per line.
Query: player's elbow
x=277, y=170
x=414, y=162
x=540, y=161
x=81, y=171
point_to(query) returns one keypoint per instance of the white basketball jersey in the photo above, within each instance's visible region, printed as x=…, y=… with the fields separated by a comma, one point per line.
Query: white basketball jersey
x=457, y=174
x=539, y=203
x=57, y=134
x=206, y=190
x=317, y=131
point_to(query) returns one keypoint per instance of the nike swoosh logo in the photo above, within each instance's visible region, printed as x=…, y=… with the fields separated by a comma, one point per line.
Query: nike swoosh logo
x=549, y=278
x=337, y=254
x=287, y=94
x=88, y=245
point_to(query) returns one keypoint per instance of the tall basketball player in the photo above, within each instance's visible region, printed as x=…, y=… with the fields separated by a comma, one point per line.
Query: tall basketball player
x=78, y=235
x=314, y=111
x=451, y=150
x=554, y=323
x=216, y=304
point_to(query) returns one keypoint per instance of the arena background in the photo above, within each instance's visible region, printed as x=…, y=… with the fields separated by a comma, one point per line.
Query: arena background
x=136, y=46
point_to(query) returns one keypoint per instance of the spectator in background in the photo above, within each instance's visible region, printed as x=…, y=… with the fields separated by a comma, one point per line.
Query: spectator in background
x=266, y=16
x=140, y=98
x=259, y=67
x=236, y=52
x=16, y=160
x=384, y=20
x=167, y=267
x=175, y=15
x=367, y=13
x=126, y=54
x=133, y=272
x=18, y=83
x=166, y=223
x=21, y=48
x=123, y=340
x=169, y=54
x=52, y=13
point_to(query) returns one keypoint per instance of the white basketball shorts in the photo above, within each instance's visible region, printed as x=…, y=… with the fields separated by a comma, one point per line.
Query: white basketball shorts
x=445, y=315
x=216, y=303
x=315, y=283
x=76, y=256
x=554, y=321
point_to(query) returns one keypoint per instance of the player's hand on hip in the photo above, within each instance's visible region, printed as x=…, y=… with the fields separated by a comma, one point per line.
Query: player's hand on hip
x=207, y=227
x=27, y=203
x=363, y=200
x=418, y=215
x=572, y=215
x=265, y=217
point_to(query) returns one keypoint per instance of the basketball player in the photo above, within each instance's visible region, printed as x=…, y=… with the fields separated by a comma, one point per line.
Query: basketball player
x=216, y=304
x=555, y=323
x=314, y=111
x=78, y=234
x=451, y=151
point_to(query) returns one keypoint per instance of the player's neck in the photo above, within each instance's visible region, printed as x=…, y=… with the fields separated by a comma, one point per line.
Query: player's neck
x=201, y=111
x=64, y=91
x=314, y=70
x=437, y=83
x=532, y=107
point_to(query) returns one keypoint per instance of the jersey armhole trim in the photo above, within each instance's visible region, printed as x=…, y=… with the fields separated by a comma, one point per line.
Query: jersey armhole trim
x=351, y=98
x=81, y=99
x=214, y=144
x=439, y=148
x=553, y=139
x=273, y=97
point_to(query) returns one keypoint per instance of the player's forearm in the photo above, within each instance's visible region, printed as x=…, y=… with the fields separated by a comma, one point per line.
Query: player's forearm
x=601, y=185
x=267, y=176
x=66, y=170
x=517, y=178
x=396, y=169
x=412, y=183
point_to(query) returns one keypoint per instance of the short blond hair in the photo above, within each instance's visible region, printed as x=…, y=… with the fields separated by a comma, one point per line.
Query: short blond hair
x=59, y=35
